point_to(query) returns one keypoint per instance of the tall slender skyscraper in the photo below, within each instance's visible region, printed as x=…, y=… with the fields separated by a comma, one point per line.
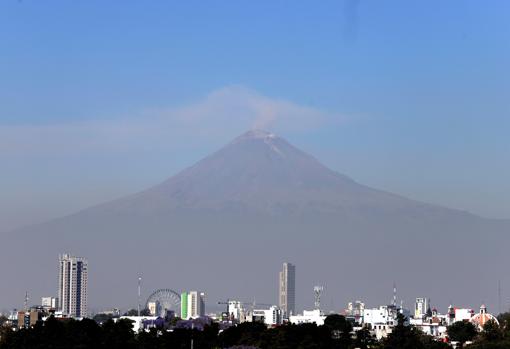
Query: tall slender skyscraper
x=72, y=285
x=287, y=295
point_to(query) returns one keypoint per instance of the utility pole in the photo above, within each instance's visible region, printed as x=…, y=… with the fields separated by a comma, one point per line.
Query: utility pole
x=192, y=327
x=499, y=296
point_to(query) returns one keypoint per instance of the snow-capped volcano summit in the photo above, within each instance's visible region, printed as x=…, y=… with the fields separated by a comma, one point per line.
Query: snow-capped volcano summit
x=255, y=134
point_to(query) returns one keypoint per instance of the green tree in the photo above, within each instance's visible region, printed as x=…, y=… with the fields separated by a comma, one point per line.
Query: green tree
x=178, y=338
x=462, y=332
x=248, y=333
x=492, y=331
x=430, y=342
x=340, y=329
x=403, y=337
x=504, y=321
x=118, y=335
x=134, y=312
x=303, y=336
x=101, y=318
x=363, y=339
x=148, y=340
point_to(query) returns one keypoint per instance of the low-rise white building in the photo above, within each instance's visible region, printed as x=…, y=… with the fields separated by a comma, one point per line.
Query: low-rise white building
x=355, y=311
x=137, y=321
x=49, y=303
x=236, y=311
x=434, y=325
x=271, y=317
x=459, y=314
x=153, y=308
x=381, y=320
x=308, y=317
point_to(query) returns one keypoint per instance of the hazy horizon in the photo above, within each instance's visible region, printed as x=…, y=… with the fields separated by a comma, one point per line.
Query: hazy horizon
x=136, y=190
x=261, y=193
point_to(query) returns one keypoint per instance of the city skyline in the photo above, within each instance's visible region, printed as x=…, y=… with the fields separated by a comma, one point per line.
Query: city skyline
x=162, y=313
x=73, y=278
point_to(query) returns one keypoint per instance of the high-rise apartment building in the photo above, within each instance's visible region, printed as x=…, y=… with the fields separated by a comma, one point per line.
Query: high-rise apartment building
x=72, y=285
x=192, y=304
x=196, y=304
x=184, y=305
x=287, y=294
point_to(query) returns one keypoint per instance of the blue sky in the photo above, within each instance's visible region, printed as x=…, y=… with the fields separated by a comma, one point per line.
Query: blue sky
x=102, y=98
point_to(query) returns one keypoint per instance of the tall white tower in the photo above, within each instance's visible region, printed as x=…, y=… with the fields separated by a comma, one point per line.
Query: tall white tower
x=72, y=285
x=287, y=294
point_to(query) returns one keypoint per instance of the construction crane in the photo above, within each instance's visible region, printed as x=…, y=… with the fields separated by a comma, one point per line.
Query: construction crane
x=227, y=302
x=254, y=304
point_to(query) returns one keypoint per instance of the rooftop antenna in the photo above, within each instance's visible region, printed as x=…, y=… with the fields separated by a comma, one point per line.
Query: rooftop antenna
x=139, y=292
x=394, y=294
x=317, y=290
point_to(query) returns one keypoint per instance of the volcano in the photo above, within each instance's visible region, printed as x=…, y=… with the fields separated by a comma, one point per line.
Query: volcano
x=225, y=225
x=261, y=173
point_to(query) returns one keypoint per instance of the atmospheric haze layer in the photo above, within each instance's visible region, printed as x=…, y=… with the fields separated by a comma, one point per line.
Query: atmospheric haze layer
x=225, y=225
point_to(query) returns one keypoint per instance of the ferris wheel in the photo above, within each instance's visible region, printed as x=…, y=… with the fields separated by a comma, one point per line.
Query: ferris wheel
x=165, y=299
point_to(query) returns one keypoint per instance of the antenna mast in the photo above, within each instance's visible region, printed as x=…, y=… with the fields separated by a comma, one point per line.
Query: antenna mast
x=139, y=292
x=26, y=301
x=394, y=294
x=499, y=296
x=317, y=290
